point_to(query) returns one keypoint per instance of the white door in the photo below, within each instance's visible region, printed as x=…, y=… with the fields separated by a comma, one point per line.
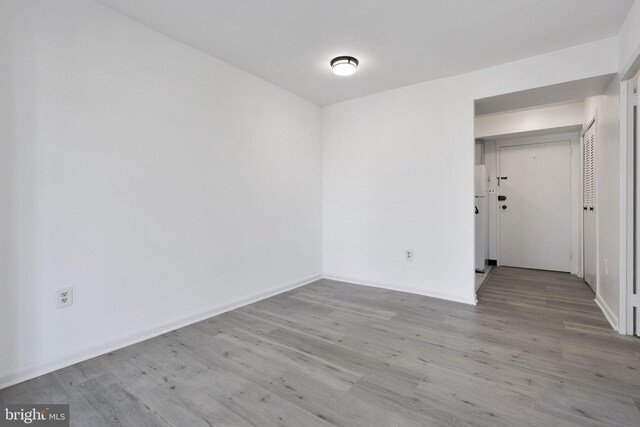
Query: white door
x=589, y=205
x=535, y=215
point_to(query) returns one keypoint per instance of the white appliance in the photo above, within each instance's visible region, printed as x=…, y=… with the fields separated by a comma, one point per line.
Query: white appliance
x=482, y=218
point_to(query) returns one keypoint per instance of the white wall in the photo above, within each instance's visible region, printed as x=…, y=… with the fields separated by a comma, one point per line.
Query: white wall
x=397, y=173
x=391, y=183
x=529, y=120
x=629, y=39
x=161, y=183
x=479, y=152
x=606, y=110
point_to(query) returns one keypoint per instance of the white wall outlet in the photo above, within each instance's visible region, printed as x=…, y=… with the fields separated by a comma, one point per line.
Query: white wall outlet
x=408, y=255
x=65, y=297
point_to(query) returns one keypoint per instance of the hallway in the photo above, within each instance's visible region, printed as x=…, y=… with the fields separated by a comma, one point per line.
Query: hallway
x=588, y=365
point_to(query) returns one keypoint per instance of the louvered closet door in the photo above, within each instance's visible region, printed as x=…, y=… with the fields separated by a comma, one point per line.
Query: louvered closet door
x=589, y=205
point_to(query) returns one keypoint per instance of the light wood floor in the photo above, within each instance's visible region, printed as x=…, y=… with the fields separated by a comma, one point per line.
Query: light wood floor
x=535, y=351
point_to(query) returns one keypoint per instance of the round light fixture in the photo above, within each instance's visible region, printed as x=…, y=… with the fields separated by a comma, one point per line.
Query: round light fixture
x=344, y=65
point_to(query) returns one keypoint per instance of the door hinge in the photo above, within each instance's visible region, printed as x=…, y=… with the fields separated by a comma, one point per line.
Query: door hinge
x=635, y=300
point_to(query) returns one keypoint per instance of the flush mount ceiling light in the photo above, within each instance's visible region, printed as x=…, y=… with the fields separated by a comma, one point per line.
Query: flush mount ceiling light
x=344, y=65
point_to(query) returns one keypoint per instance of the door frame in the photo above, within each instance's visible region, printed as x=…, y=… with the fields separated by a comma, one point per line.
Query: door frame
x=593, y=122
x=629, y=213
x=575, y=142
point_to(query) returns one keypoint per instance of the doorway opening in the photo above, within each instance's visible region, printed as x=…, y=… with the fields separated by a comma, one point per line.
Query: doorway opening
x=539, y=151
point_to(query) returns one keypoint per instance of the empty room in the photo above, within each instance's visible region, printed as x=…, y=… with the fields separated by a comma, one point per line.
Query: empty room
x=319, y=213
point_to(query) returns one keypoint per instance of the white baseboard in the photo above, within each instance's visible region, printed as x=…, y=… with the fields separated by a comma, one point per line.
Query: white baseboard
x=484, y=280
x=606, y=310
x=9, y=378
x=472, y=299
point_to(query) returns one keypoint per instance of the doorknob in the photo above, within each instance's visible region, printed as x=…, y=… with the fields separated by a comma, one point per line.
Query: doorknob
x=504, y=207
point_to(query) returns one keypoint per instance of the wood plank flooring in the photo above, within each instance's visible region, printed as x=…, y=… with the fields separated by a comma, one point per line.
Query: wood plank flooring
x=535, y=351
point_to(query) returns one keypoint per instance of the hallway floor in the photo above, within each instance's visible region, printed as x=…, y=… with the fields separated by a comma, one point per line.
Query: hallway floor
x=536, y=350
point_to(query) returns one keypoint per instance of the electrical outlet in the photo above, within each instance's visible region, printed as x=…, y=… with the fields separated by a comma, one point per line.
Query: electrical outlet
x=408, y=255
x=65, y=297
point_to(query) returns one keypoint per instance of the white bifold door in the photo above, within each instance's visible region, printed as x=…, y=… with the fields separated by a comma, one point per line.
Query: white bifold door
x=589, y=205
x=534, y=206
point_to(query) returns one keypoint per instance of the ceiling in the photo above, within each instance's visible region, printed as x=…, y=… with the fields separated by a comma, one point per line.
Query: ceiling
x=398, y=42
x=560, y=93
